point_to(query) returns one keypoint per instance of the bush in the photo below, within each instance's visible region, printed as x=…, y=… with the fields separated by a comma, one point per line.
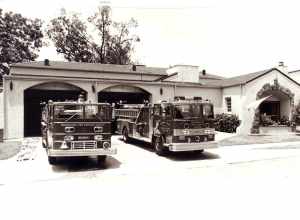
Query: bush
x=226, y=123
x=265, y=120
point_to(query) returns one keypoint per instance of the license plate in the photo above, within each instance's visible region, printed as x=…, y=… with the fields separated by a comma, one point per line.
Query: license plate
x=83, y=137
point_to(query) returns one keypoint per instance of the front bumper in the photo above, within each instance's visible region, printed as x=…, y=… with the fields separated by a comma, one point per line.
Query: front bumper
x=81, y=152
x=192, y=146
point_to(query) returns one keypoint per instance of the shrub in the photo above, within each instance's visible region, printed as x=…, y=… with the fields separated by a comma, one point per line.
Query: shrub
x=285, y=121
x=265, y=120
x=226, y=123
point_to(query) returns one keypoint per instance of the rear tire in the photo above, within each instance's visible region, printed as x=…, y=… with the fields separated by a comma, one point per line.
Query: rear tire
x=101, y=159
x=52, y=160
x=159, y=147
x=125, y=135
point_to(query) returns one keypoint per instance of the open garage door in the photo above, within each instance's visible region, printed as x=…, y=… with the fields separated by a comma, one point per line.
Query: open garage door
x=126, y=94
x=43, y=93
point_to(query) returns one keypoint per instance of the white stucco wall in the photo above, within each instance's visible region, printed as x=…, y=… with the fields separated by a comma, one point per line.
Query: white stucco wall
x=236, y=94
x=212, y=94
x=14, y=102
x=14, y=98
x=1, y=111
x=185, y=73
x=251, y=90
x=295, y=76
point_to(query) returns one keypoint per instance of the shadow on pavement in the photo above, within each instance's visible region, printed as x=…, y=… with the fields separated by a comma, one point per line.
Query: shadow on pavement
x=176, y=156
x=81, y=164
x=192, y=155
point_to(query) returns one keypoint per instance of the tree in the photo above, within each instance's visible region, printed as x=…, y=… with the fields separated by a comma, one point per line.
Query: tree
x=20, y=39
x=114, y=42
x=70, y=38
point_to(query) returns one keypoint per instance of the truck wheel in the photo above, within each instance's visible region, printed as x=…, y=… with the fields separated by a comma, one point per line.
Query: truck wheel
x=52, y=160
x=101, y=159
x=125, y=135
x=159, y=147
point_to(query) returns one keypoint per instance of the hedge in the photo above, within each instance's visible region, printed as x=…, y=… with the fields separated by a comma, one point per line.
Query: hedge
x=226, y=123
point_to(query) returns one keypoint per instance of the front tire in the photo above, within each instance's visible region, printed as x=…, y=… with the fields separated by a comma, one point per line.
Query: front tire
x=159, y=146
x=52, y=160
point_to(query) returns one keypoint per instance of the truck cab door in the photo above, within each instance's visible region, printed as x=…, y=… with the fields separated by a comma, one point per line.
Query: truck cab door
x=142, y=126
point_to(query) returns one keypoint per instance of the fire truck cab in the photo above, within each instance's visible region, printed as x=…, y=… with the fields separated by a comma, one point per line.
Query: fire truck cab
x=71, y=129
x=184, y=125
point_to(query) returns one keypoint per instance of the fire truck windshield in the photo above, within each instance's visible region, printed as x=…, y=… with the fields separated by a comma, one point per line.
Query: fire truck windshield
x=187, y=111
x=80, y=112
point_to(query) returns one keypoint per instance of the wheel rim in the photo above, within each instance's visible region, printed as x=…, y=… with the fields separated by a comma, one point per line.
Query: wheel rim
x=157, y=144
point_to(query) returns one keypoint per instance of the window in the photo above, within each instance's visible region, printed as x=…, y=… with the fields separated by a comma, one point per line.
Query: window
x=228, y=103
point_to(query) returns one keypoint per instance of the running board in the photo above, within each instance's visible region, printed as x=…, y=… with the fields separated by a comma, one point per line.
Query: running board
x=145, y=139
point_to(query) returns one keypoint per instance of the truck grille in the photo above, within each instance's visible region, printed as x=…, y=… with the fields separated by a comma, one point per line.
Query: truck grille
x=83, y=144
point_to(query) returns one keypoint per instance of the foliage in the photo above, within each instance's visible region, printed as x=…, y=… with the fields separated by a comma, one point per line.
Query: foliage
x=284, y=121
x=70, y=38
x=227, y=122
x=20, y=39
x=265, y=120
x=114, y=42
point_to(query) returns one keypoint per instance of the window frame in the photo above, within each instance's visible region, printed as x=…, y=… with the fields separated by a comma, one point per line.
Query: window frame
x=228, y=102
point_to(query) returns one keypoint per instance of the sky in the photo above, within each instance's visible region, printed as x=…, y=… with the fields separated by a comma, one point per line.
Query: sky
x=225, y=37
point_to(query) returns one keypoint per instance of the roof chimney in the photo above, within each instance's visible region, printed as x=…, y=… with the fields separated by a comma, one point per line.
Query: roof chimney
x=203, y=72
x=46, y=62
x=282, y=67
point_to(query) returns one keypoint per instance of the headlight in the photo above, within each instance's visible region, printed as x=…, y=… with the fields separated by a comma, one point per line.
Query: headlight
x=69, y=138
x=106, y=145
x=69, y=129
x=208, y=131
x=98, y=137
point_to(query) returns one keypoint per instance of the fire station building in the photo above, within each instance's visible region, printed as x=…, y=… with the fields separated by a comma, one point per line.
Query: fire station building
x=273, y=91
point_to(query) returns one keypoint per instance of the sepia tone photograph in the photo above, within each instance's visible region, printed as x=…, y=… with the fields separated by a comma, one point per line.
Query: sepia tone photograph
x=149, y=109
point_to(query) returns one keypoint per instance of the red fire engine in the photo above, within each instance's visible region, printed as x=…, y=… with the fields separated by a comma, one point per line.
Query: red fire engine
x=183, y=125
x=76, y=129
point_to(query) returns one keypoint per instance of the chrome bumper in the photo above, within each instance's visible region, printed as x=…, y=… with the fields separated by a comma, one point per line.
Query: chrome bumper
x=81, y=152
x=192, y=146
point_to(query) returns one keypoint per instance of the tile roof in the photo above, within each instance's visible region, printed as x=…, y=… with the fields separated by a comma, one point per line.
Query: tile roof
x=238, y=80
x=210, y=76
x=93, y=67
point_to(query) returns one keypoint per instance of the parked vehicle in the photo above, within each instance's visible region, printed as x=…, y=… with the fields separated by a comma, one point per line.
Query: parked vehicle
x=184, y=125
x=71, y=129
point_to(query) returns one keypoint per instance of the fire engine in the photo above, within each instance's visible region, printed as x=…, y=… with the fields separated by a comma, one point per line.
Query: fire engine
x=72, y=129
x=182, y=125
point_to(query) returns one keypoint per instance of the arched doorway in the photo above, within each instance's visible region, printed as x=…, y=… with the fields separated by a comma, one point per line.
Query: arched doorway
x=124, y=93
x=33, y=96
x=278, y=105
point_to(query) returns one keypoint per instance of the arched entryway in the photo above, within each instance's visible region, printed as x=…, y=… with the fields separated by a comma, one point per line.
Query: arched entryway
x=33, y=96
x=276, y=108
x=126, y=94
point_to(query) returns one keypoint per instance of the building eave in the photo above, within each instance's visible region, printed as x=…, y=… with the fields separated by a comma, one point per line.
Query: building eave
x=104, y=80
x=84, y=70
